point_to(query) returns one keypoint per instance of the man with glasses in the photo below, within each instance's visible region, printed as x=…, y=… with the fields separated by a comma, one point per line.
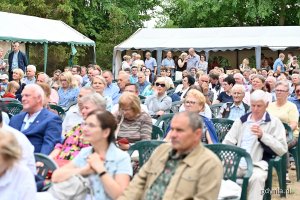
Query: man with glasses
x=16, y=59
x=234, y=110
x=142, y=83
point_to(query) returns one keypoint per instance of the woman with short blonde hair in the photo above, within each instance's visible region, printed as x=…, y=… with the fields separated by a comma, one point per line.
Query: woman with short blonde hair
x=68, y=90
x=135, y=124
x=99, y=84
x=17, y=76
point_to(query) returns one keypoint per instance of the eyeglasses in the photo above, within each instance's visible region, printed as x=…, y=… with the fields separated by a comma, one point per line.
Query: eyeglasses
x=281, y=91
x=190, y=102
x=160, y=84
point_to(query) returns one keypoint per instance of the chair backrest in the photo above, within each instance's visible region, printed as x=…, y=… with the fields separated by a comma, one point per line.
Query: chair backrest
x=177, y=82
x=145, y=149
x=60, y=111
x=170, y=91
x=49, y=164
x=175, y=106
x=165, y=120
x=9, y=100
x=289, y=132
x=157, y=133
x=222, y=126
x=13, y=108
x=215, y=109
x=231, y=156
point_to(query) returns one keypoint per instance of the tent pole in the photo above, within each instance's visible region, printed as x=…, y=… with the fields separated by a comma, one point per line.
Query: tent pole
x=94, y=54
x=27, y=51
x=258, y=57
x=45, y=56
x=158, y=59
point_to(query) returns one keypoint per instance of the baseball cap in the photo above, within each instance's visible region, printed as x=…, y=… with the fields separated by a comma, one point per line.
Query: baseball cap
x=3, y=76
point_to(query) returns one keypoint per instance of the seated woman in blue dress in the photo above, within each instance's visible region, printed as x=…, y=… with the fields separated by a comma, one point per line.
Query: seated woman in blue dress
x=195, y=102
x=107, y=167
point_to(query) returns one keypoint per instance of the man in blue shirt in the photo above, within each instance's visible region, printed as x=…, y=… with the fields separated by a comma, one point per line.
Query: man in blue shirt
x=278, y=64
x=150, y=63
x=142, y=83
x=168, y=62
x=296, y=99
x=30, y=75
x=111, y=89
x=133, y=76
x=193, y=59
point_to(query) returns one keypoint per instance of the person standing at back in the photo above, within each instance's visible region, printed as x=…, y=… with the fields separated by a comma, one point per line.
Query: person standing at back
x=16, y=59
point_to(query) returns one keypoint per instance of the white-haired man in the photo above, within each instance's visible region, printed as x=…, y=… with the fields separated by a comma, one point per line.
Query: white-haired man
x=239, y=79
x=234, y=110
x=30, y=75
x=42, y=127
x=262, y=136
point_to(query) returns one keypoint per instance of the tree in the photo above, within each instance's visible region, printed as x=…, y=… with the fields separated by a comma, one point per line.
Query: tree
x=224, y=13
x=108, y=22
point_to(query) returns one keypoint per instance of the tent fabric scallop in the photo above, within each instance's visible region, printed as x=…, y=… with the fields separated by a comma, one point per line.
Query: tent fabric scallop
x=24, y=28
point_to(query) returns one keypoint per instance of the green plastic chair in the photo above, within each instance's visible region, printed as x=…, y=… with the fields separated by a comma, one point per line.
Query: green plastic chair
x=49, y=164
x=222, y=126
x=176, y=83
x=13, y=108
x=142, y=99
x=175, y=106
x=157, y=133
x=9, y=100
x=145, y=149
x=231, y=156
x=60, y=111
x=170, y=91
x=215, y=109
x=295, y=151
x=279, y=163
x=164, y=122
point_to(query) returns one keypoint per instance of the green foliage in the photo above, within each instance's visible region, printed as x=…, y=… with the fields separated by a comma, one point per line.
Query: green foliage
x=223, y=13
x=108, y=22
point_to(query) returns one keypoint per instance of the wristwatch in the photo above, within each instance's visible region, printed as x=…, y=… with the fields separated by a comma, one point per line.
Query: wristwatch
x=102, y=174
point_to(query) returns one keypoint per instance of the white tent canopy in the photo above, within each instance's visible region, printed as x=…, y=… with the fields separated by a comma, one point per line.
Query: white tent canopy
x=25, y=28
x=29, y=29
x=210, y=39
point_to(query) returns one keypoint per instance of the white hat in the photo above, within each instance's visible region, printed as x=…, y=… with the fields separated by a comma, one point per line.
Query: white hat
x=3, y=76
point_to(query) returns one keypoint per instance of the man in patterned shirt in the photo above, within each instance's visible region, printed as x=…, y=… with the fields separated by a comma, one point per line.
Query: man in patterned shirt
x=182, y=169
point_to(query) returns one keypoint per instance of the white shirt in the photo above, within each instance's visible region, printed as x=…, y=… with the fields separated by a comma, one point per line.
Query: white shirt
x=27, y=121
x=27, y=148
x=17, y=184
x=72, y=118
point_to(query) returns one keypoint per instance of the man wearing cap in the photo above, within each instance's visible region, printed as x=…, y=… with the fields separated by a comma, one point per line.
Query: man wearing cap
x=16, y=59
x=3, y=84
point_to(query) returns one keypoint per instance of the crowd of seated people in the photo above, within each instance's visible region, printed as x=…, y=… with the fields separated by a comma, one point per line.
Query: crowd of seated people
x=104, y=118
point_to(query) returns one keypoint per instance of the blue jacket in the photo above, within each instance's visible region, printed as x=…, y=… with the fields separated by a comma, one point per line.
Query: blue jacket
x=43, y=133
x=22, y=61
x=211, y=129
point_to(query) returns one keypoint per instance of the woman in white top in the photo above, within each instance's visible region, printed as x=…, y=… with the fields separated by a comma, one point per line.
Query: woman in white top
x=126, y=62
x=182, y=89
x=16, y=180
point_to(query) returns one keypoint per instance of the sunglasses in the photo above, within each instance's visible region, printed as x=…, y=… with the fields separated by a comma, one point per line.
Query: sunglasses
x=160, y=84
x=297, y=91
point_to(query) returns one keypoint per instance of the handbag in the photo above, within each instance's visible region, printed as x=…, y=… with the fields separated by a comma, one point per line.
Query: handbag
x=75, y=188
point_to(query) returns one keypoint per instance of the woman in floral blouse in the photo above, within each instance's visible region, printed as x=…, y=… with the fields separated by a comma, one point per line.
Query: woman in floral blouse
x=74, y=141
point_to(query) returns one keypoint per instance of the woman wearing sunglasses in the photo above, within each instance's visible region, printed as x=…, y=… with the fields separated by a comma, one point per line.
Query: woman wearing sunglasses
x=159, y=103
